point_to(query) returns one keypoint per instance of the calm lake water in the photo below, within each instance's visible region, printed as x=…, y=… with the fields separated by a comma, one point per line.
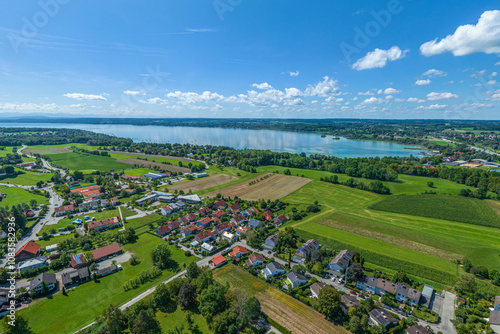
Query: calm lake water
x=279, y=141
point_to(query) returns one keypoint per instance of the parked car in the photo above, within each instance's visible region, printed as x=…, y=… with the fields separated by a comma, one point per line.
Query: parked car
x=308, y=276
x=353, y=293
x=333, y=279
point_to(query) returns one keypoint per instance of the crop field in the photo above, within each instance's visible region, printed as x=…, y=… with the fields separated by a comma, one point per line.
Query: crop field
x=456, y=208
x=76, y=161
x=27, y=178
x=422, y=246
x=145, y=163
x=203, y=183
x=48, y=150
x=267, y=186
x=17, y=195
x=87, y=301
x=282, y=308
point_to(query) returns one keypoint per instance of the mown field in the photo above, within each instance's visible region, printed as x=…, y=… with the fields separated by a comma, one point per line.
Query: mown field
x=66, y=314
x=282, y=308
x=456, y=208
x=203, y=183
x=422, y=246
x=76, y=161
x=17, y=195
x=27, y=178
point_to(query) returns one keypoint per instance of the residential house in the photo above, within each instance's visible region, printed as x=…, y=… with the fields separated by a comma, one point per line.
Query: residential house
x=367, y=283
x=278, y=221
x=268, y=215
x=173, y=225
x=384, y=286
x=220, y=204
x=35, y=262
x=307, y=248
x=37, y=283
x=163, y=230
x=296, y=279
x=77, y=261
x=242, y=230
x=273, y=269
x=181, y=205
x=105, y=224
x=75, y=276
x=183, y=220
x=222, y=227
x=255, y=260
x=341, y=260
x=316, y=288
x=188, y=230
x=381, y=317
x=254, y=223
x=205, y=222
x=229, y=236
x=217, y=261
x=104, y=203
x=206, y=247
x=115, y=201
x=166, y=210
x=28, y=251
x=347, y=302
x=147, y=199
x=417, y=329
x=205, y=236
x=62, y=210
x=131, y=191
x=29, y=213
x=202, y=212
x=239, y=219
x=235, y=208
x=238, y=252
x=219, y=214
x=271, y=242
x=413, y=296
x=401, y=293
x=90, y=204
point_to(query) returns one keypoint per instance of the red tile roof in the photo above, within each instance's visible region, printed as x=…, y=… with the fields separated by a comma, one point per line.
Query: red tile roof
x=29, y=247
x=104, y=222
x=219, y=259
x=106, y=251
x=237, y=250
x=164, y=229
x=64, y=208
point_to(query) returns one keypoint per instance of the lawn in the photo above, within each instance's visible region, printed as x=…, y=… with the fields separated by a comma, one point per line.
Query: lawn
x=456, y=208
x=84, y=303
x=27, y=178
x=154, y=158
x=169, y=321
x=282, y=308
x=17, y=195
x=7, y=150
x=98, y=216
x=142, y=224
x=77, y=161
x=138, y=171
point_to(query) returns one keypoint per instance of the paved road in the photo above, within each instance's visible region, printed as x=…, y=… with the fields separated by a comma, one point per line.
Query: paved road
x=447, y=313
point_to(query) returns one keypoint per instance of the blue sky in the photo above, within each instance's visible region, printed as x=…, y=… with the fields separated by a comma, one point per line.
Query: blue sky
x=251, y=58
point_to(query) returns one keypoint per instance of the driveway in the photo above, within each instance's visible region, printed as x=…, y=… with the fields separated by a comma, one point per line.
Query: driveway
x=119, y=259
x=446, y=312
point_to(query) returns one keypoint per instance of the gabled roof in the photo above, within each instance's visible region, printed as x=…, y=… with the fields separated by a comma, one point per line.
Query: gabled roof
x=402, y=290
x=256, y=257
x=237, y=250
x=29, y=247
x=295, y=277
x=106, y=251
x=369, y=281
x=104, y=222
x=43, y=277
x=381, y=316
x=64, y=208
x=164, y=229
x=219, y=259
x=316, y=287
x=273, y=266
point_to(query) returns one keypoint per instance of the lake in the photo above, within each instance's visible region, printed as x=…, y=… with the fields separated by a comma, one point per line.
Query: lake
x=279, y=141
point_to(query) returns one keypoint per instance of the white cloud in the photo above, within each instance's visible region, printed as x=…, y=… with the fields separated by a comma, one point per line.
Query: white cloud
x=391, y=91
x=190, y=97
x=434, y=107
x=414, y=99
x=469, y=39
x=440, y=96
x=488, y=83
x=323, y=88
x=366, y=93
x=133, y=92
x=372, y=100
x=434, y=73
x=90, y=97
x=263, y=85
x=294, y=74
x=379, y=58
x=422, y=82
x=217, y=107
x=495, y=96
x=389, y=97
x=497, y=64
x=154, y=100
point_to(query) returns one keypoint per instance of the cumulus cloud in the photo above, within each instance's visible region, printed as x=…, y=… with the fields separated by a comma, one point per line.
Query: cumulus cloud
x=434, y=73
x=372, y=100
x=90, y=97
x=433, y=107
x=440, y=96
x=191, y=97
x=263, y=85
x=323, y=88
x=366, y=93
x=495, y=96
x=294, y=74
x=154, y=100
x=391, y=91
x=422, y=82
x=379, y=58
x=132, y=92
x=414, y=99
x=469, y=38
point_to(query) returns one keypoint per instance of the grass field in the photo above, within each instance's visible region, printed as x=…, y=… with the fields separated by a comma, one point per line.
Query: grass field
x=456, y=208
x=66, y=314
x=151, y=164
x=98, y=216
x=76, y=161
x=138, y=171
x=267, y=186
x=389, y=238
x=27, y=178
x=169, y=321
x=17, y=195
x=282, y=308
x=7, y=150
x=203, y=183
x=155, y=158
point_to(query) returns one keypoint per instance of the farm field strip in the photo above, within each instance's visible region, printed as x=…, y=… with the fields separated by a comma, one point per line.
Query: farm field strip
x=203, y=183
x=267, y=186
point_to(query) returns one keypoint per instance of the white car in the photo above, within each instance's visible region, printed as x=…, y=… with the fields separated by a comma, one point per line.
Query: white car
x=340, y=280
x=333, y=279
